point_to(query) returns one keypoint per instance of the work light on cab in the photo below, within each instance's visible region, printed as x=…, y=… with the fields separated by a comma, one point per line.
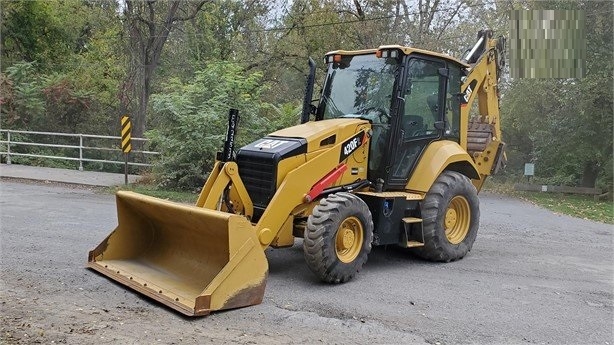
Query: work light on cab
x=387, y=53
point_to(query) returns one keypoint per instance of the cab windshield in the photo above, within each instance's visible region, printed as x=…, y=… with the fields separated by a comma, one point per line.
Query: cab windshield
x=359, y=86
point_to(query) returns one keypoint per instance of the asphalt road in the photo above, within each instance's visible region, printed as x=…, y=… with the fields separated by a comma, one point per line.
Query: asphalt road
x=533, y=277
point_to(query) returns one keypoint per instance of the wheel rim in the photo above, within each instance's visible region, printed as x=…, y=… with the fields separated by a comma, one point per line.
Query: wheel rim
x=348, y=240
x=456, y=222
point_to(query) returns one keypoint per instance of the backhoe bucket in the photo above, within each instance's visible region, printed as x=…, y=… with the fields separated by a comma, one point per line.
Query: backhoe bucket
x=191, y=259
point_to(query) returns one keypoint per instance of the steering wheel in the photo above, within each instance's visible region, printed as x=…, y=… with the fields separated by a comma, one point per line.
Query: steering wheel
x=382, y=114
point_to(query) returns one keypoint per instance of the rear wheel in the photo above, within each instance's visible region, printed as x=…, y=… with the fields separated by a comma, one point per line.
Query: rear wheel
x=338, y=237
x=450, y=218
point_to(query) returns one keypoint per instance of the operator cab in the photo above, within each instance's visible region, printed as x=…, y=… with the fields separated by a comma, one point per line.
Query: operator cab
x=411, y=97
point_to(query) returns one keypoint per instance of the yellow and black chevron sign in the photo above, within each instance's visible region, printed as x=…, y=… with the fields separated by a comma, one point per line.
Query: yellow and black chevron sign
x=126, y=132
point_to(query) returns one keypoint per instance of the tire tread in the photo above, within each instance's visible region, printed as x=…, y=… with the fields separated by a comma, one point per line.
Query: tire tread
x=319, y=238
x=436, y=245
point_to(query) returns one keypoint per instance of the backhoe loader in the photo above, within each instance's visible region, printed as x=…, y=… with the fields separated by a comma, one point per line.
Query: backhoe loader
x=389, y=156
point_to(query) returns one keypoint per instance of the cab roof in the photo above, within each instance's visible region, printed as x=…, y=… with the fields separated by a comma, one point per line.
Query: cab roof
x=405, y=50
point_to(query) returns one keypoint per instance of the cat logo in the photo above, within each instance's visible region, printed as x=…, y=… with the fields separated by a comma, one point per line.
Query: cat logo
x=469, y=91
x=468, y=94
x=270, y=144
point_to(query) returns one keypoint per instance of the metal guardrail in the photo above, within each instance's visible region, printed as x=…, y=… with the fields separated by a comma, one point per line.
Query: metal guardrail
x=9, y=142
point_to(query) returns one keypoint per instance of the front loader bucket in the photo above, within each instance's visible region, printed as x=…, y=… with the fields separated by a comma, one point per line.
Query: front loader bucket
x=191, y=259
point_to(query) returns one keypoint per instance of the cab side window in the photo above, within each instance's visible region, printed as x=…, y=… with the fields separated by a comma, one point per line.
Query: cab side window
x=453, y=103
x=421, y=98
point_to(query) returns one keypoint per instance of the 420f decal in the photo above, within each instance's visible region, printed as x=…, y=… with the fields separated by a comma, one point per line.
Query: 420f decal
x=349, y=146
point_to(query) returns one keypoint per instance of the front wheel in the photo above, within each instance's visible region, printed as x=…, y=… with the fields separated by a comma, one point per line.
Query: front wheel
x=450, y=218
x=338, y=237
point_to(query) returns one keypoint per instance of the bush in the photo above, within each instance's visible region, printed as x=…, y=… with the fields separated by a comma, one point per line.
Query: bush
x=190, y=120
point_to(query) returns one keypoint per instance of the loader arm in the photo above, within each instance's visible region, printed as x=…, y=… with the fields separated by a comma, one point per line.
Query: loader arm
x=222, y=176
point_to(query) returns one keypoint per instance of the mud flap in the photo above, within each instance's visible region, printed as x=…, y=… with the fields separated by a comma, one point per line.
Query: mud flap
x=191, y=259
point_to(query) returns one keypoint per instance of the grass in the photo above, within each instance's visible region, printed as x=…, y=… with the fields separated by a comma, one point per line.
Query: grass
x=580, y=206
x=575, y=205
x=152, y=190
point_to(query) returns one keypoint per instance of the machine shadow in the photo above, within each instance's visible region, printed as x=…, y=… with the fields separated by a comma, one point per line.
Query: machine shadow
x=289, y=263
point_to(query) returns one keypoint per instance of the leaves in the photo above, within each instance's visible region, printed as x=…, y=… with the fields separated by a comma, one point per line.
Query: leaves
x=77, y=65
x=191, y=120
x=581, y=206
x=22, y=99
x=565, y=125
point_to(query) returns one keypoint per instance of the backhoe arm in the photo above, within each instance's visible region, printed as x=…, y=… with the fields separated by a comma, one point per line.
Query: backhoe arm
x=481, y=135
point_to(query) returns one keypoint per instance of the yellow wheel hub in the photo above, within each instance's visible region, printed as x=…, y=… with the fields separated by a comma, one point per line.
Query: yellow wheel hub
x=349, y=238
x=457, y=219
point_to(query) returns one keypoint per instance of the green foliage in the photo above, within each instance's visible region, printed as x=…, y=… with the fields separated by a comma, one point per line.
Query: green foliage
x=49, y=32
x=222, y=31
x=191, y=119
x=565, y=126
x=97, y=73
x=66, y=67
x=32, y=31
x=53, y=102
x=286, y=115
x=61, y=66
x=155, y=191
x=580, y=206
x=22, y=96
x=66, y=105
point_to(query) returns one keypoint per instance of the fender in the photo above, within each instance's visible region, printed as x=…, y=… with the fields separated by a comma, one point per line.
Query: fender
x=437, y=157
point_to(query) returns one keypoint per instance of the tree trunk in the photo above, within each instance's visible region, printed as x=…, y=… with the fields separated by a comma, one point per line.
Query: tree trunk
x=139, y=124
x=590, y=174
x=148, y=24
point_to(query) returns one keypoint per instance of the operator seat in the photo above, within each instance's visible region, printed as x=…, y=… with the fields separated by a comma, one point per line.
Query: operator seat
x=413, y=126
x=433, y=104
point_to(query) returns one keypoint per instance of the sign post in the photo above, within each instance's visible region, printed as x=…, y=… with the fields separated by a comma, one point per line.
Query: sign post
x=126, y=143
x=529, y=170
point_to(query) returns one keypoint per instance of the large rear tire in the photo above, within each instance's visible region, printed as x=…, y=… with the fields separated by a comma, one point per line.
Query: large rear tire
x=450, y=218
x=338, y=237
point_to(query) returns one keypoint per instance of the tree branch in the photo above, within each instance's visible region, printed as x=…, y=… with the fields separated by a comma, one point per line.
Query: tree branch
x=360, y=13
x=432, y=10
x=194, y=12
x=443, y=29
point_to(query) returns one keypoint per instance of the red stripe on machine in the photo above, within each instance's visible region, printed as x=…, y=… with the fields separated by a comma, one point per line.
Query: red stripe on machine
x=325, y=182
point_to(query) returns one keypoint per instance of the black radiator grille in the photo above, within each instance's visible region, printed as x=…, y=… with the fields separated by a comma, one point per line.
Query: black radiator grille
x=259, y=174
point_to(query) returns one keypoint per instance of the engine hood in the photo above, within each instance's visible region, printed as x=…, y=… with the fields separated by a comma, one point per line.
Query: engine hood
x=322, y=134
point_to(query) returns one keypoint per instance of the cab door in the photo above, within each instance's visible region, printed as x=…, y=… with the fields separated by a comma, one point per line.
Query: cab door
x=420, y=119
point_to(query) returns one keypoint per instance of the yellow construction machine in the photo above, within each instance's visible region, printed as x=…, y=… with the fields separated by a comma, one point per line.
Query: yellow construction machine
x=389, y=156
